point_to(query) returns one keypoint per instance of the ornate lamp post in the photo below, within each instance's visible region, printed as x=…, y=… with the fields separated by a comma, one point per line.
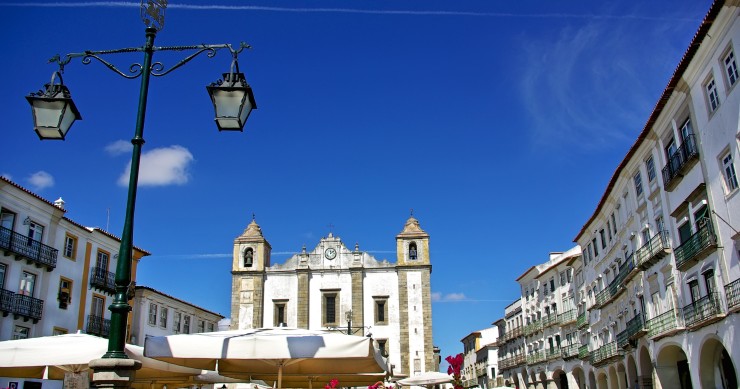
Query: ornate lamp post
x=54, y=113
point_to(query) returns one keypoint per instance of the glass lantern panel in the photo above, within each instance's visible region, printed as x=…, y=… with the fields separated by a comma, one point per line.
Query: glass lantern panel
x=48, y=113
x=228, y=102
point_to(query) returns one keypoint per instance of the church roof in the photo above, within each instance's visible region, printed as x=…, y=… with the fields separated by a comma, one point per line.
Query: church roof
x=412, y=229
x=253, y=233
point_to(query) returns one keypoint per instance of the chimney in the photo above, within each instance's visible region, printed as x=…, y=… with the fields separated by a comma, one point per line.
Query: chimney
x=59, y=203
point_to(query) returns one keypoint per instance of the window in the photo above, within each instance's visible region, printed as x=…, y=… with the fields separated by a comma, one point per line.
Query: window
x=660, y=224
x=596, y=248
x=20, y=332
x=35, y=232
x=638, y=183
x=730, y=68
x=728, y=171
x=684, y=232
x=383, y=347
x=176, y=322
x=712, y=96
x=210, y=327
x=3, y=270
x=609, y=229
x=562, y=279
x=694, y=290
x=70, y=246
x=552, y=284
x=163, y=317
x=65, y=293
x=201, y=326
x=381, y=310
x=650, y=165
x=186, y=325
x=329, y=309
x=709, y=282
x=603, y=238
x=279, y=319
x=248, y=257
x=7, y=219
x=152, y=314
x=412, y=251
x=97, y=306
x=28, y=283
x=568, y=275
x=614, y=224
x=102, y=261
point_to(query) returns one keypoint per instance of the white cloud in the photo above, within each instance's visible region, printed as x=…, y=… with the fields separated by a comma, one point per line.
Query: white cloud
x=161, y=167
x=41, y=180
x=119, y=147
x=450, y=297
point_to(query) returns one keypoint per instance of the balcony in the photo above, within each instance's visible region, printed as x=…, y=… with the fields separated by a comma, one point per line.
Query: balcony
x=518, y=360
x=663, y=325
x=531, y=328
x=703, y=311
x=21, y=306
x=582, y=320
x=698, y=246
x=535, y=357
x=549, y=320
x=635, y=329
x=652, y=251
x=553, y=353
x=732, y=293
x=679, y=162
x=583, y=353
x=604, y=354
x=23, y=247
x=98, y=325
x=567, y=317
x=570, y=351
x=103, y=280
x=627, y=269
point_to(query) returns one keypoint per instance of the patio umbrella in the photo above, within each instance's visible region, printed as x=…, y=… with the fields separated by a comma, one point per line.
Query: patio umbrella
x=273, y=354
x=55, y=355
x=427, y=378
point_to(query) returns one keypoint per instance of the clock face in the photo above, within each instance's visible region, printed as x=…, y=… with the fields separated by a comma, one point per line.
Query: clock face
x=330, y=253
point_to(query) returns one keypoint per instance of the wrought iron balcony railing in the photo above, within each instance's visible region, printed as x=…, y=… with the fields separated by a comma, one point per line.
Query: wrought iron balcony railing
x=732, y=293
x=651, y=252
x=103, y=280
x=582, y=320
x=635, y=328
x=6, y=301
x=679, y=161
x=535, y=357
x=697, y=246
x=567, y=317
x=26, y=307
x=29, y=249
x=570, y=351
x=549, y=320
x=531, y=328
x=604, y=353
x=702, y=311
x=553, y=353
x=98, y=325
x=663, y=324
x=583, y=352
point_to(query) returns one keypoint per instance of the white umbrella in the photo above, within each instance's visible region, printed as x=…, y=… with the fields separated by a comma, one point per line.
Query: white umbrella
x=274, y=354
x=427, y=378
x=55, y=355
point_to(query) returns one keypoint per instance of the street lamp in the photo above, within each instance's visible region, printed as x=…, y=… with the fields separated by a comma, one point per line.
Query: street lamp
x=55, y=112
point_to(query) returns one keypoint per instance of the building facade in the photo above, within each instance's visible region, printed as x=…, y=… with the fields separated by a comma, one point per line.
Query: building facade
x=159, y=314
x=56, y=276
x=332, y=287
x=656, y=289
x=480, y=358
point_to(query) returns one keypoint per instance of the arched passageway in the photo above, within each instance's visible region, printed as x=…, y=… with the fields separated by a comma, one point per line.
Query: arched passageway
x=613, y=380
x=602, y=381
x=716, y=368
x=560, y=379
x=672, y=367
x=592, y=380
x=631, y=372
x=645, y=375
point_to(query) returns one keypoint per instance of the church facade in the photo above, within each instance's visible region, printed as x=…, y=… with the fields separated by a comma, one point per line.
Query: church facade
x=333, y=287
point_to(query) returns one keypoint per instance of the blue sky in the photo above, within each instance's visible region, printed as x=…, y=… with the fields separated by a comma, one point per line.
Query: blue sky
x=498, y=122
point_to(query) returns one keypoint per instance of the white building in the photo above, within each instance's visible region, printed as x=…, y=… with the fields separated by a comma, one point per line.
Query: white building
x=334, y=287
x=56, y=276
x=657, y=289
x=480, y=355
x=159, y=314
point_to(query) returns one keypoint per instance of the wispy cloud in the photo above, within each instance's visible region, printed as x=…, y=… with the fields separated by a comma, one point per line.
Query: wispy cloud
x=198, y=7
x=40, y=180
x=438, y=297
x=575, y=84
x=161, y=167
x=118, y=147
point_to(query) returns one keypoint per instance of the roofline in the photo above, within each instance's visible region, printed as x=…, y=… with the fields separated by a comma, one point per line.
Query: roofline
x=564, y=260
x=12, y=183
x=142, y=287
x=701, y=33
x=470, y=334
x=525, y=273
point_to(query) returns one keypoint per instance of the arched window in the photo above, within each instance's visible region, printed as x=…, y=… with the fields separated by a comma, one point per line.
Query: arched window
x=412, y=251
x=248, y=257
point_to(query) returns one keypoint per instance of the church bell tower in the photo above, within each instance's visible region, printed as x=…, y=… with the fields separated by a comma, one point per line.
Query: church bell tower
x=251, y=257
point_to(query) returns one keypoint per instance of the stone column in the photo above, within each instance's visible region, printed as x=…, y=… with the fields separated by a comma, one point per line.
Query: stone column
x=302, y=303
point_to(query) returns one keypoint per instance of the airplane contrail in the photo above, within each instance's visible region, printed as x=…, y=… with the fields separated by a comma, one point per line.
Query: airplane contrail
x=128, y=4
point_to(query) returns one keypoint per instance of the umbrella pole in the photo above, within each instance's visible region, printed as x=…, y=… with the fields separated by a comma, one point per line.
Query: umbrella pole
x=280, y=375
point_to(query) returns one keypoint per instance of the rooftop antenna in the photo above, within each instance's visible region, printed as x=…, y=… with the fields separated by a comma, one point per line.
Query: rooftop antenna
x=107, y=219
